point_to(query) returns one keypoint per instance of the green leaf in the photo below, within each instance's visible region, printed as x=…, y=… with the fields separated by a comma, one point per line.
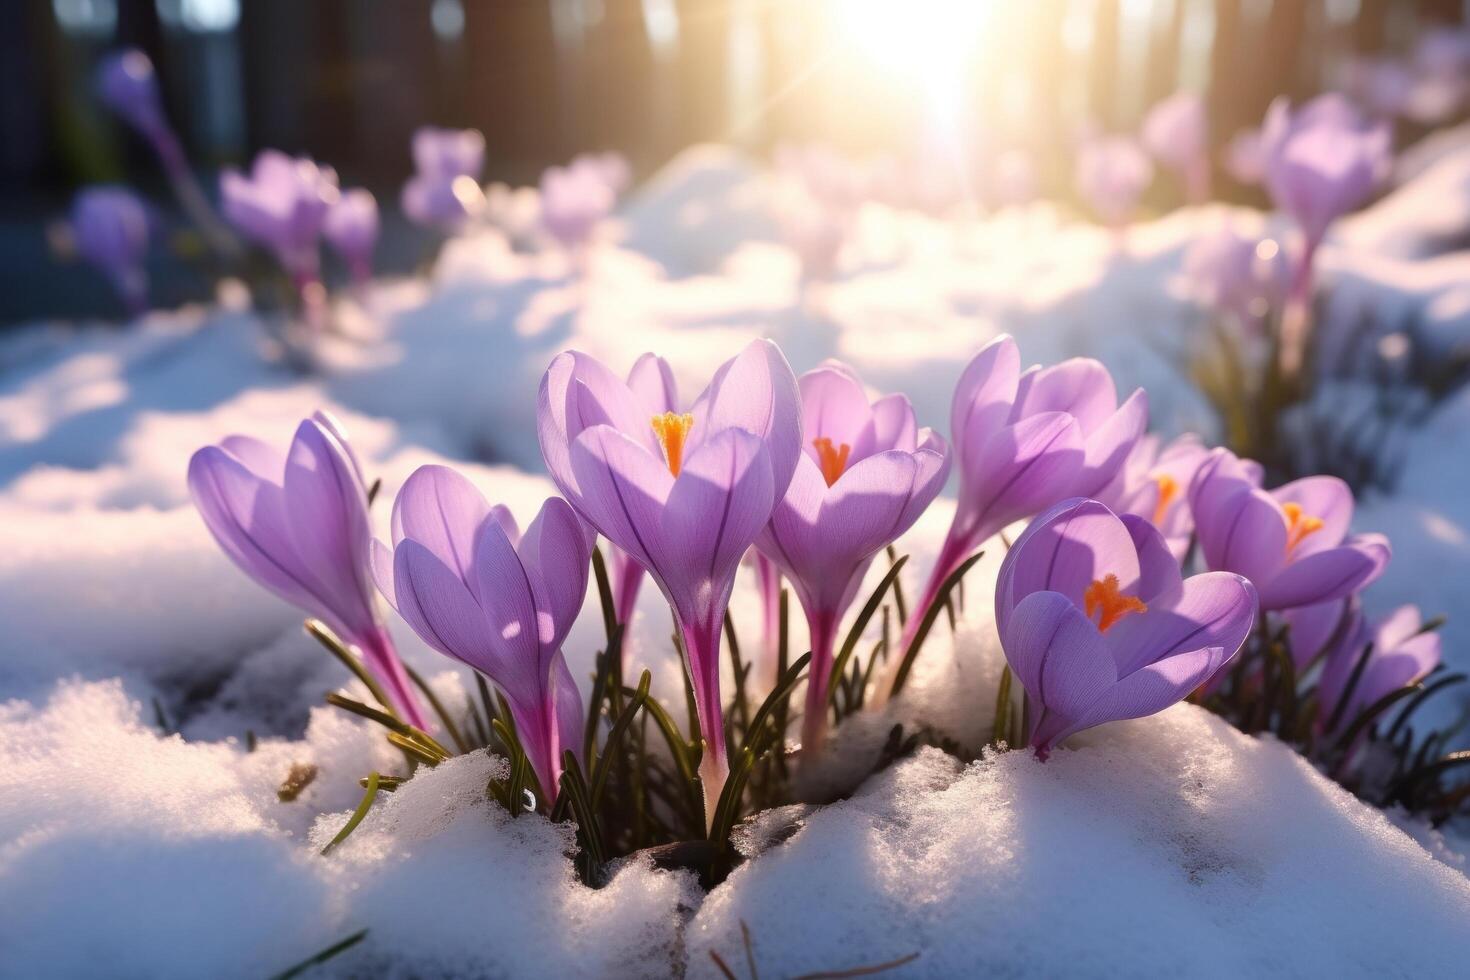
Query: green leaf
x=319, y=958
x=438, y=706
x=1000, y=731
x=615, y=738
x=839, y=666
x=357, y=815
x=323, y=634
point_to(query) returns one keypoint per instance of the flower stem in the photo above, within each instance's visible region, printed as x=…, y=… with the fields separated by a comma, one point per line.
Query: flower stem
x=382, y=660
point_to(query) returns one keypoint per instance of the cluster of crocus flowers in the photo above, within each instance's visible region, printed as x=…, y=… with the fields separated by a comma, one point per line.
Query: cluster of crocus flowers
x=282, y=205
x=1370, y=663
x=683, y=494
x=297, y=523
x=1098, y=623
x=1154, y=482
x=109, y=228
x=1291, y=542
x=1022, y=442
x=476, y=589
x=445, y=191
x=1176, y=132
x=866, y=473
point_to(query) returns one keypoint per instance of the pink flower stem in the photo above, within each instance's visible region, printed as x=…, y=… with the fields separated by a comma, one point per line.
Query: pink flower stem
x=382, y=660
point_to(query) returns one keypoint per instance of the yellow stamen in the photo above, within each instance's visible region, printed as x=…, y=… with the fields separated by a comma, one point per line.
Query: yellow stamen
x=672, y=430
x=1298, y=525
x=1102, y=596
x=831, y=460
x=1168, y=490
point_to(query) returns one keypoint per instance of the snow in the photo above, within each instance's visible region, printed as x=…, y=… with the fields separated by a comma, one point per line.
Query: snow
x=1148, y=848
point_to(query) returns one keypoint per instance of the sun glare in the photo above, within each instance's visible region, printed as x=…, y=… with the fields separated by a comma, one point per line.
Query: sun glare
x=926, y=44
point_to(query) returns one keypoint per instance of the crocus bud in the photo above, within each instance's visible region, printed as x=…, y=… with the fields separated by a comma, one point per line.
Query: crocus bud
x=1098, y=624
x=1401, y=654
x=1112, y=174
x=574, y=199
x=126, y=83
x=110, y=228
x=297, y=523
x=351, y=226
x=1239, y=275
x=282, y=205
x=445, y=191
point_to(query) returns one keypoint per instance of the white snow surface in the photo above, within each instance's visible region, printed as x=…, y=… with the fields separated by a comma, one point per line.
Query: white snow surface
x=1166, y=846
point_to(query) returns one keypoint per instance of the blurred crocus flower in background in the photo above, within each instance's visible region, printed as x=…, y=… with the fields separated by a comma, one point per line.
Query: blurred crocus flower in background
x=1022, y=442
x=282, y=205
x=813, y=230
x=1290, y=542
x=445, y=191
x=1112, y=174
x=1176, y=133
x=109, y=228
x=1399, y=652
x=1245, y=157
x=1099, y=625
x=476, y=589
x=297, y=523
x=127, y=84
x=351, y=226
x=1240, y=275
x=576, y=198
x=683, y=494
x=1154, y=484
x=866, y=473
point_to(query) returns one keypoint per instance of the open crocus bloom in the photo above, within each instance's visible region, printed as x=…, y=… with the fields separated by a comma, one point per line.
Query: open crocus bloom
x=475, y=589
x=1290, y=542
x=281, y=205
x=865, y=474
x=684, y=495
x=1401, y=654
x=445, y=189
x=297, y=523
x=1098, y=625
x=1022, y=442
x=1154, y=484
x=351, y=226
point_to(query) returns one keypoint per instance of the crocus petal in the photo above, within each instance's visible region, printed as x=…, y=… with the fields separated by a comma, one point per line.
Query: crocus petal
x=1081, y=387
x=651, y=381
x=719, y=503
x=1327, y=575
x=1245, y=534
x=757, y=392
x=1153, y=687
x=1158, y=569
x=1020, y=467
x=1057, y=654
x=382, y=569
x=1215, y=609
x=555, y=555
x=571, y=714
x=441, y=510
x=577, y=392
x=436, y=603
x=1326, y=498
x=260, y=458
x=1064, y=551
x=834, y=406
x=985, y=392
x=1108, y=445
x=1397, y=627
x=327, y=518
x=1312, y=628
x=624, y=488
x=509, y=615
x=894, y=425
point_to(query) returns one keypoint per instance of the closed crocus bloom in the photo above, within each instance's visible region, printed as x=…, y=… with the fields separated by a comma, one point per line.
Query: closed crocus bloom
x=281, y=205
x=1112, y=174
x=1322, y=629
x=445, y=191
x=297, y=522
x=127, y=84
x=1098, y=624
x=1401, y=654
x=1290, y=542
x=683, y=494
x=109, y=226
x=351, y=226
x=651, y=381
x=476, y=589
x=1240, y=275
x=1154, y=484
x=573, y=200
x=865, y=475
x=1176, y=133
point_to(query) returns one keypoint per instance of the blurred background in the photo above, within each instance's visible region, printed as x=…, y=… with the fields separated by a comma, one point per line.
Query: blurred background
x=348, y=81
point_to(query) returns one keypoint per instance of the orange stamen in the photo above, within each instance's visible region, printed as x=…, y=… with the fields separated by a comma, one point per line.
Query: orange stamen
x=1102, y=596
x=672, y=430
x=831, y=460
x=1298, y=525
x=1168, y=490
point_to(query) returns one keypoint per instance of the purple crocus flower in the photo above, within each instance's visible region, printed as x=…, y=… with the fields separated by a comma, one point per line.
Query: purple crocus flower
x=1112, y=174
x=351, y=226
x=1176, y=133
x=651, y=381
x=1401, y=654
x=1321, y=630
x=128, y=85
x=1290, y=542
x=1098, y=624
x=1245, y=157
x=865, y=475
x=445, y=191
x=1239, y=275
x=281, y=206
x=1154, y=484
x=297, y=522
x=684, y=495
x=1023, y=441
x=574, y=200
x=109, y=226
x=476, y=589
